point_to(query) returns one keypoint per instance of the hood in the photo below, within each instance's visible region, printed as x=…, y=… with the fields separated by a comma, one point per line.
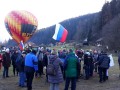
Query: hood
x=53, y=57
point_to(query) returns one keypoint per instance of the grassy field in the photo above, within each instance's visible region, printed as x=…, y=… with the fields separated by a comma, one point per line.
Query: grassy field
x=11, y=83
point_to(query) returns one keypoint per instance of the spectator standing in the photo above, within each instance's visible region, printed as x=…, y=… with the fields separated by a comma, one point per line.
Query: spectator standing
x=31, y=66
x=6, y=63
x=54, y=80
x=1, y=61
x=20, y=64
x=13, y=58
x=71, y=66
x=104, y=64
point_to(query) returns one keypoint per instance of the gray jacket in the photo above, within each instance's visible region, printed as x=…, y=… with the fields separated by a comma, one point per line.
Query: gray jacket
x=58, y=78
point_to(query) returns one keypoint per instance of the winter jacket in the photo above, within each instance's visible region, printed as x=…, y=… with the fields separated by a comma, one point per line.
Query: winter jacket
x=31, y=63
x=58, y=78
x=71, y=65
x=40, y=56
x=13, y=58
x=104, y=61
x=119, y=59
x=45, y=59
x=6, y=60
x=20, y=63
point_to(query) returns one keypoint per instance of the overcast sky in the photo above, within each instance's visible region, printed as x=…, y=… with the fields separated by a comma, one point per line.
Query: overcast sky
x=48, y=12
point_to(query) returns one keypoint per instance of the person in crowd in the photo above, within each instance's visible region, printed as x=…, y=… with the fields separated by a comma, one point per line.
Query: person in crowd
x=119, y=60
x=40, y=62
x=46, y=56
x=88, y=65
x=13, y=58
x=54, y=80
x=119, y=63
x=95, y=59
x=27, y=50
x=6, y=63
x=31, y=66
x=62, y=56
x=103, y=64
x=20, y=63
x=79, y=54
x=1, y=59
x=71, y=66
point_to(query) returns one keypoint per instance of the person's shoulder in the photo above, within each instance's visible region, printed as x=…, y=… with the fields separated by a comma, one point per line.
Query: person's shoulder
x=58, y=59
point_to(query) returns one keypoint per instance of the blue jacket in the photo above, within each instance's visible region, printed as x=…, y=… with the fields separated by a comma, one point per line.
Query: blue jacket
x=31, y=62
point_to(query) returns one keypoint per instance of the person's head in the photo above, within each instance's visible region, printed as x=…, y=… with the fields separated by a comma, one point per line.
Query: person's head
x=24, y=53
x=70, y=50
x=95, y=52
x=103, y=52
x=54, y=53
x=7, y=50
x=87, y=53
x=16, y=51
x=34, y=52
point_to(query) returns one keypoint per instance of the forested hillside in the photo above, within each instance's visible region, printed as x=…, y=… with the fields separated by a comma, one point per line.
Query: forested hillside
x=103, y=24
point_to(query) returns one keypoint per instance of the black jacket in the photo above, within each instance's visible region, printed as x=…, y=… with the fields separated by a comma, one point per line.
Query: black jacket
x=20, y=64
x=104, y=61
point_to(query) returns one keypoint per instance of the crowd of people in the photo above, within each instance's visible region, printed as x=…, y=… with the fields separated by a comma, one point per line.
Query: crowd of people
x=68, y=65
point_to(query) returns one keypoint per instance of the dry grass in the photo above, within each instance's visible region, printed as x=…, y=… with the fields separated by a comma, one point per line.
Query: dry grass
x=11, y=83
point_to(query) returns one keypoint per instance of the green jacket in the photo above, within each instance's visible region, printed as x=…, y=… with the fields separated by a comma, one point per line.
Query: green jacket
x=71, y=62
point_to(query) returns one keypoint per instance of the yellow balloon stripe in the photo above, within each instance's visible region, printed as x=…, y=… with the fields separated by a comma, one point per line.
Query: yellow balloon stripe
x=15, y=37
x=29, y=18
x=16, y=26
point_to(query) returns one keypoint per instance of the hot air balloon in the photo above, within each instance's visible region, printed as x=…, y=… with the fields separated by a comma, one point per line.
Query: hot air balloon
x=21, y=25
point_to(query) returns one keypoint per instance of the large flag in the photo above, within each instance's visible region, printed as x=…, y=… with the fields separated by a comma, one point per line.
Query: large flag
x=21, y=45
x=60, y=33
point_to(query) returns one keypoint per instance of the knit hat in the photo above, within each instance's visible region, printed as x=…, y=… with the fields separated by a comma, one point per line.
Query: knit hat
x=88, y=53
x=23, y=52
x=7, y=50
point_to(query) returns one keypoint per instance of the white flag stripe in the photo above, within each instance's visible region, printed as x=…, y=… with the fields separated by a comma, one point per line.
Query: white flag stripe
x=56, y=31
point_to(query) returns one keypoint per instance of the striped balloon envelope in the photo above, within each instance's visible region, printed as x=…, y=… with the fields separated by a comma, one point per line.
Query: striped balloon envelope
x=21, y=25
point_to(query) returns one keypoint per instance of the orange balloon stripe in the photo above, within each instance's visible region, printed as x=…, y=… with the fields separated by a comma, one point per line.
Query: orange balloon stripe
x=17, y=23
x=28, y=18
x=26, y=38
x=16, y=39
x=31, y=19
x=23, y=20
x=14, y=25
x=17, y=17
x=14, y=35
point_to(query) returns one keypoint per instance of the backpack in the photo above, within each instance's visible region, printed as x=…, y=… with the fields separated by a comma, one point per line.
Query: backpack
x=50, y=70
